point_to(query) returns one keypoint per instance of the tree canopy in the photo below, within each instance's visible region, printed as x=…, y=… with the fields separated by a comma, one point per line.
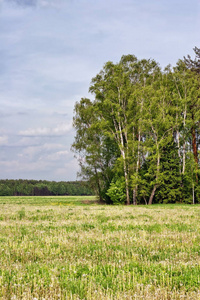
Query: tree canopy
x=137, y=141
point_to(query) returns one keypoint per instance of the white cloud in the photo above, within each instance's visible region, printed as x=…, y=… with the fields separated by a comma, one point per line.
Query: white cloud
x=14, y=165
x=57, y=155
x=67, y=168
x=42, y=151
x=51, y=3
x=9, y=164
x=3, y=140
x=52, y=146
x=26, y=141
x=60, y=129
x=47, y=167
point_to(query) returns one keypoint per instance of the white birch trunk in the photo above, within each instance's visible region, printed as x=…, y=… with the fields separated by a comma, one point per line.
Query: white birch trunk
x=157, y=174
x=184, y=143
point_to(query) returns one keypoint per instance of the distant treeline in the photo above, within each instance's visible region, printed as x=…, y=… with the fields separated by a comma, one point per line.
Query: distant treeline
x=23, y=187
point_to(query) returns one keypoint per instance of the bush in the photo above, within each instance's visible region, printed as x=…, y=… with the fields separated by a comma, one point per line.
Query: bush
x=117, y=191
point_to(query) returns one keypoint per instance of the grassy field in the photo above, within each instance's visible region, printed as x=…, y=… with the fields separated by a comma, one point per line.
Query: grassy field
x=73, y=248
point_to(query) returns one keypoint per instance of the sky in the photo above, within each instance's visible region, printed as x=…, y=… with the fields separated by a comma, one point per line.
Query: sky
x=49, y=52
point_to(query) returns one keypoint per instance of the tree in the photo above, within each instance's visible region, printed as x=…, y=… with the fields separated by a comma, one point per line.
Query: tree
x=140, y=130
x=191, y=64
x=194, y=101
x=96, y=151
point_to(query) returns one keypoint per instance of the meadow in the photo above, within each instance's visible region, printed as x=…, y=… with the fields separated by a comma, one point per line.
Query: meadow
x=74, y=248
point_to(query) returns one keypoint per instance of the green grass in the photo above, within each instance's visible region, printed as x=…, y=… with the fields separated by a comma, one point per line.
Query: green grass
x=48, y=200
x=73, y=248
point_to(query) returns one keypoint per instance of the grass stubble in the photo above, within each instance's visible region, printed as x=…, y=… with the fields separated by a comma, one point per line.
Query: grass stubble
x=65, y=250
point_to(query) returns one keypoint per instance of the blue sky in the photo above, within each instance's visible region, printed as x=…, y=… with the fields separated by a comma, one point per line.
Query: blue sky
x=49, y=52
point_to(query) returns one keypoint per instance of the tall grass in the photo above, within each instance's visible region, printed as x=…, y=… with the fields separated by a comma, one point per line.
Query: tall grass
x=51, y=250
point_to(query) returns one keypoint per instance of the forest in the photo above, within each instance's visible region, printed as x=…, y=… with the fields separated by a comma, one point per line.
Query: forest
x=23, y=187
x=137, y=140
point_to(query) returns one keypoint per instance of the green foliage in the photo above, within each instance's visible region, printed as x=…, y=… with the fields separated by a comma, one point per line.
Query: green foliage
x=143, y=126
x=44, y=188
x=117, y=191
x=170, y=189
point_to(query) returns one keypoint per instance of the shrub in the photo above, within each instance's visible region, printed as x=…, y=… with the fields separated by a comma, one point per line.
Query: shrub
x=117, y=192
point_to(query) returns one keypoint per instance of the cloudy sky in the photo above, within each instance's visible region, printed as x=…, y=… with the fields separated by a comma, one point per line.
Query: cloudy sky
x=50, y=50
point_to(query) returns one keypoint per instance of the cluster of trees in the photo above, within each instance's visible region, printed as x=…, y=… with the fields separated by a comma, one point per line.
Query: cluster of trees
x=43, y=188
x=138, y=140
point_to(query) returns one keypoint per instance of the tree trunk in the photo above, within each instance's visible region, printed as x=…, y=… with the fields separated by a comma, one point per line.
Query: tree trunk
x=125, y=166
x=137, y=169
x=183, y=171
x=195, y=152
x=127, y=189
x=179, y=153
x=98, y=184
x=126, y=177
x=193, y=200
x=152, y=194
x=135, y=196
x=194, y=145
x=157, y=174
x=184, y=143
